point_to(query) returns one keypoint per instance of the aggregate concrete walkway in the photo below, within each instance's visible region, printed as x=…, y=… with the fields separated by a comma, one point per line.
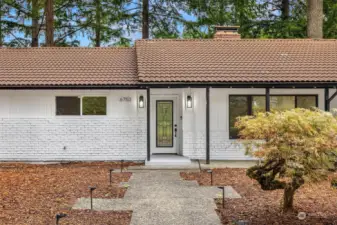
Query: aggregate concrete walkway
x=164, y=198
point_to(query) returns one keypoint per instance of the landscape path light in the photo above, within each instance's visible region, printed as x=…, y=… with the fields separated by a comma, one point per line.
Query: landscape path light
x=59, y=216
x=91, y=190
x=111, y=170
x=223, y=196
x=122, y=166
x=211, y=172
x=199, y=165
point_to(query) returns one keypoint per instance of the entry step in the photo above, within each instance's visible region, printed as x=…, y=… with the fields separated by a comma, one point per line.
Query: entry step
x=168, y=160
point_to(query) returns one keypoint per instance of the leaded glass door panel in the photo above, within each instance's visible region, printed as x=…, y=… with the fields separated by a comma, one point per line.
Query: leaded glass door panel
x=165, y=124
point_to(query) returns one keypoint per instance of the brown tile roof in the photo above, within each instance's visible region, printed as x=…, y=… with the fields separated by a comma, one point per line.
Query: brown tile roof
x=245, y=60
x=172, y=61
x=67, y=66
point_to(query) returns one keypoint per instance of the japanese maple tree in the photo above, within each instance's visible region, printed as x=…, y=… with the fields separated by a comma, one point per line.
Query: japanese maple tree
x=296, y=146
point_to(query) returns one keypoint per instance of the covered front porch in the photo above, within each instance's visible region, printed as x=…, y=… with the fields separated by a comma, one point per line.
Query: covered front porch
x=190, y=121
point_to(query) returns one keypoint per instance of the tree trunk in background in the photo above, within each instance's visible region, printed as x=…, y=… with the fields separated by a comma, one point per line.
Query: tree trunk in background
x=315, y=18
x=145, y=19
x=49, y=23
x=285, y=9
x=35, y=24
x=1, y=35
x=98, y=24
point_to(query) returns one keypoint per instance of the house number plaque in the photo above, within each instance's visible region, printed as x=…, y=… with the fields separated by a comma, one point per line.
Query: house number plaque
x=125, y=99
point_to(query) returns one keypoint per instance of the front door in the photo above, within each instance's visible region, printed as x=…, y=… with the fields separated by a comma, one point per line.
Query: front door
x=164, y=124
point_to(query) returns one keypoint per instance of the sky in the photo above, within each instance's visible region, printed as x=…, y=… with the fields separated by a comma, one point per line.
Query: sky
x=85, y=42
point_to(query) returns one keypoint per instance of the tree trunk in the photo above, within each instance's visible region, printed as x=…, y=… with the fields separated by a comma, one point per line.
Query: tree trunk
x=35, y=24
x=49, y=23
x=98, y=24
x=285, y=10
x=145, y=20
x=1, y=35
x=315, y=18
x=288, y=198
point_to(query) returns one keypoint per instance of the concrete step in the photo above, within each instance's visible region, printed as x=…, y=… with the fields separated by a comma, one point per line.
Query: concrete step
x=168, y=160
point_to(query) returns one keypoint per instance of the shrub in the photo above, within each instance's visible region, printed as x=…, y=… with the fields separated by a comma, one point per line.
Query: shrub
x=296, y=146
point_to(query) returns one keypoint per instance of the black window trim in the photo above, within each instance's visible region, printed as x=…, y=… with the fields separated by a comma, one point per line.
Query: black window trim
x=95, y=96
x=81, y=104
x=250, y=101
x=67, y=96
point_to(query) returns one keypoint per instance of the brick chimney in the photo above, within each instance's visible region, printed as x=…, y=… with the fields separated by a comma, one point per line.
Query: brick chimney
x=227, y=32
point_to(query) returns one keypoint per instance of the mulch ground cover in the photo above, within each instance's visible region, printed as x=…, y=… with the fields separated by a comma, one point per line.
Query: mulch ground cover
x=34, y=194
x=88, y=217
x=318, y=201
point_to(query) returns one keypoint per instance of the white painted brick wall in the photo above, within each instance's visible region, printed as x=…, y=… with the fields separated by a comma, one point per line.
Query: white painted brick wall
x=194, y=145
x=222, y=148
x=29, y=129
x=85, y=138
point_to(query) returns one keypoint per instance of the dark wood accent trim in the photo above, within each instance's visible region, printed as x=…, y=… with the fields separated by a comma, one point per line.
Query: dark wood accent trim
x=326, y=98
x=144, y=85
x=148, y=124
x=333, y=96
x=207, y=127
x=267, y=100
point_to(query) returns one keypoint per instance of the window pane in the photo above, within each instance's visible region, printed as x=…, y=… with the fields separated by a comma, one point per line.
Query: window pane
x=68, y=106
x=94, y=105
x=238, y=106
x=164, y=124
x=306, y=102
x=282, y=103
x=258, y=104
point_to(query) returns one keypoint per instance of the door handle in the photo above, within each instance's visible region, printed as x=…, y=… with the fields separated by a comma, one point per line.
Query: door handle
x=175, y=132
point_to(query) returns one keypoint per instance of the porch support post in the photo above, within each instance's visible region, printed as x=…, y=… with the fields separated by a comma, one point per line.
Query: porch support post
x=267, y=100
x=148, y=123
x=207, y=126
x=327, y=100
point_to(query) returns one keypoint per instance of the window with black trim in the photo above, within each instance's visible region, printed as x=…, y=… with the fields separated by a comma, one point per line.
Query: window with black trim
x=69, y=106
x=242, y=105
x=94, y=106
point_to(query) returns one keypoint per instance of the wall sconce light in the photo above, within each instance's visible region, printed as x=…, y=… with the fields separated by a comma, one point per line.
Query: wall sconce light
x=189, y=101
x=141, y=101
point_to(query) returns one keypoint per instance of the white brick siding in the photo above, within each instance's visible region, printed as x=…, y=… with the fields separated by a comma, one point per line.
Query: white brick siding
x=30, y=130
x=73, y=139
x=194, y=145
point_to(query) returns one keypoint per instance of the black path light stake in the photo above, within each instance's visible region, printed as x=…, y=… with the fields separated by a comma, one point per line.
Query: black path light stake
x=59, y=216
x=211, y=172
x=199, y=165
x=111, y=170
x=223, y=196
x=122, y=161
x=91, y=190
